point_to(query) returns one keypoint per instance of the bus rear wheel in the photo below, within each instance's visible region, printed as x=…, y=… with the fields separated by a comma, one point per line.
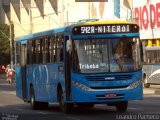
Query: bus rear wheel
x=65, y=107
x=33, y=103
x=122, y=106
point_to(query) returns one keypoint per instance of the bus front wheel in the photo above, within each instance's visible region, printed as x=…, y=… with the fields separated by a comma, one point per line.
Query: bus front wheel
x=65, y=107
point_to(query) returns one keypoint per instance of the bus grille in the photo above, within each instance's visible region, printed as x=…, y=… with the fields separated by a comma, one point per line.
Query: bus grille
x=108, y=78
x=110, y=87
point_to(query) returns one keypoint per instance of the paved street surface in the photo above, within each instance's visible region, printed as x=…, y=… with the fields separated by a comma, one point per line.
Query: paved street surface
x=12, y=107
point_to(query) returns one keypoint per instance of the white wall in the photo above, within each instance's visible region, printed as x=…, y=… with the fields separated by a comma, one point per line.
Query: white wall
x=147, y=14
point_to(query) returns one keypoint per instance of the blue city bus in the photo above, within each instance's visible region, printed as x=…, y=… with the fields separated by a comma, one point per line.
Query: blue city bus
x=90, y=62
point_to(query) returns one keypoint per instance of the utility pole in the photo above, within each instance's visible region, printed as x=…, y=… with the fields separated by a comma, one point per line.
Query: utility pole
x=30, y=17
x=11, y=42
x=29, y=6
x=89, y=10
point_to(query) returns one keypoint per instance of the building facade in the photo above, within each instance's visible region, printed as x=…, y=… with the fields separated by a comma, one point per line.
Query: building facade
x=30, y=16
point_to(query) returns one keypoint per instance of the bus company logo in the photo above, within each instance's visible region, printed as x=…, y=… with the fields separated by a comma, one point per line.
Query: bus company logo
x=109, y=78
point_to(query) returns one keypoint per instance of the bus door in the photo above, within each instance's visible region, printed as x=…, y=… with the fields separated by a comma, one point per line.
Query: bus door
x=23, y=69
x=67, y=63
x=60, y=56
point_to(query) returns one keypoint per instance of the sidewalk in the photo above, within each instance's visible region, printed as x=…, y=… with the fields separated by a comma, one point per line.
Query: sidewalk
x=154, y=89
x=157, y=91
x=3, y=79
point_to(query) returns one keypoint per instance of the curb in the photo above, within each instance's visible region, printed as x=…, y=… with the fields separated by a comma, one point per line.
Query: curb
x=157, y=91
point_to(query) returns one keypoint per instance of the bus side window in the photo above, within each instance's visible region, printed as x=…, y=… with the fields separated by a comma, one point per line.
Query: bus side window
x=53, y=46
x=18, y=49
x=29, y=52
x=60, y=49
x=37, y=51
x=44, y=50
x=47, y=43
x=57, y=49
x=41, y=54
x=33, y=52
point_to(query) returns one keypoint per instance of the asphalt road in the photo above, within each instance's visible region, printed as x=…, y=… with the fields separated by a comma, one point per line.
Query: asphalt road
x=12, y=107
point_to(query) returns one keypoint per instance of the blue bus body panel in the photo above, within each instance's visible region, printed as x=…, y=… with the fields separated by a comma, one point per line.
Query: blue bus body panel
x=44, y=33
x=44, y=79
x=105, y=36
x=47, y=74
x=99, y=84
x=26, y=37
x=18, y=76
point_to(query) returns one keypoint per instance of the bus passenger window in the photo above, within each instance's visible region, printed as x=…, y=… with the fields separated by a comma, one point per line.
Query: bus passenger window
x=33, y=52
x=37, y=51
x=50, y=49
x=29, y=52
x=53, y=47
x=47, y=43
x=18, y=49
x=44, y=50
x=59, y=49
x=40, y=54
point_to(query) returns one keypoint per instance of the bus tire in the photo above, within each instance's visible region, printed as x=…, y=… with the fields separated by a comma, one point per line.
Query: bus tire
x=122, y=106
x=65, y=107
x=43, y=105
x=33, y=103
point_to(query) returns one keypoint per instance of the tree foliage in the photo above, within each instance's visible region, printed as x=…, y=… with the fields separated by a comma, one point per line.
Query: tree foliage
x=4, y=44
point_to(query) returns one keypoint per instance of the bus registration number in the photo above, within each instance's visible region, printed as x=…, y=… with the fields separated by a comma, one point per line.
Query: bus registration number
x=111, y=95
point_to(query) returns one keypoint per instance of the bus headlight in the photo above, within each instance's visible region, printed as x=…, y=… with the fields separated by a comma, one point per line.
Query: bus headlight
x=81, y=86
x=135, y=84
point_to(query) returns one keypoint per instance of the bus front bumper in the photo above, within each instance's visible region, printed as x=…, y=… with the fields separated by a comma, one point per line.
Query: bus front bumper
x=82, y=94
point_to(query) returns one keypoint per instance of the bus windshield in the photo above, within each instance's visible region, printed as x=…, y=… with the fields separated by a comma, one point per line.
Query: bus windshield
x=106, y=55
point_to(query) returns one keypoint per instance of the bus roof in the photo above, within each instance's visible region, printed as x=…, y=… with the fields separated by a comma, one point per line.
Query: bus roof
x=102, y=22
x=43, y=33
x=80, y=23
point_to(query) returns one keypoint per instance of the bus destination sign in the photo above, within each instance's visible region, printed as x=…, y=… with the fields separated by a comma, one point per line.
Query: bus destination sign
x=104, y=29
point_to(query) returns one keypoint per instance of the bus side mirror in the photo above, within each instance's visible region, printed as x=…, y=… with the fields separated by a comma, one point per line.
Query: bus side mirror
x=69, y=45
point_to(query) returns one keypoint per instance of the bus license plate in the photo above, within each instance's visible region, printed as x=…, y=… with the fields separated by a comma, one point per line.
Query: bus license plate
x=111, y=95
